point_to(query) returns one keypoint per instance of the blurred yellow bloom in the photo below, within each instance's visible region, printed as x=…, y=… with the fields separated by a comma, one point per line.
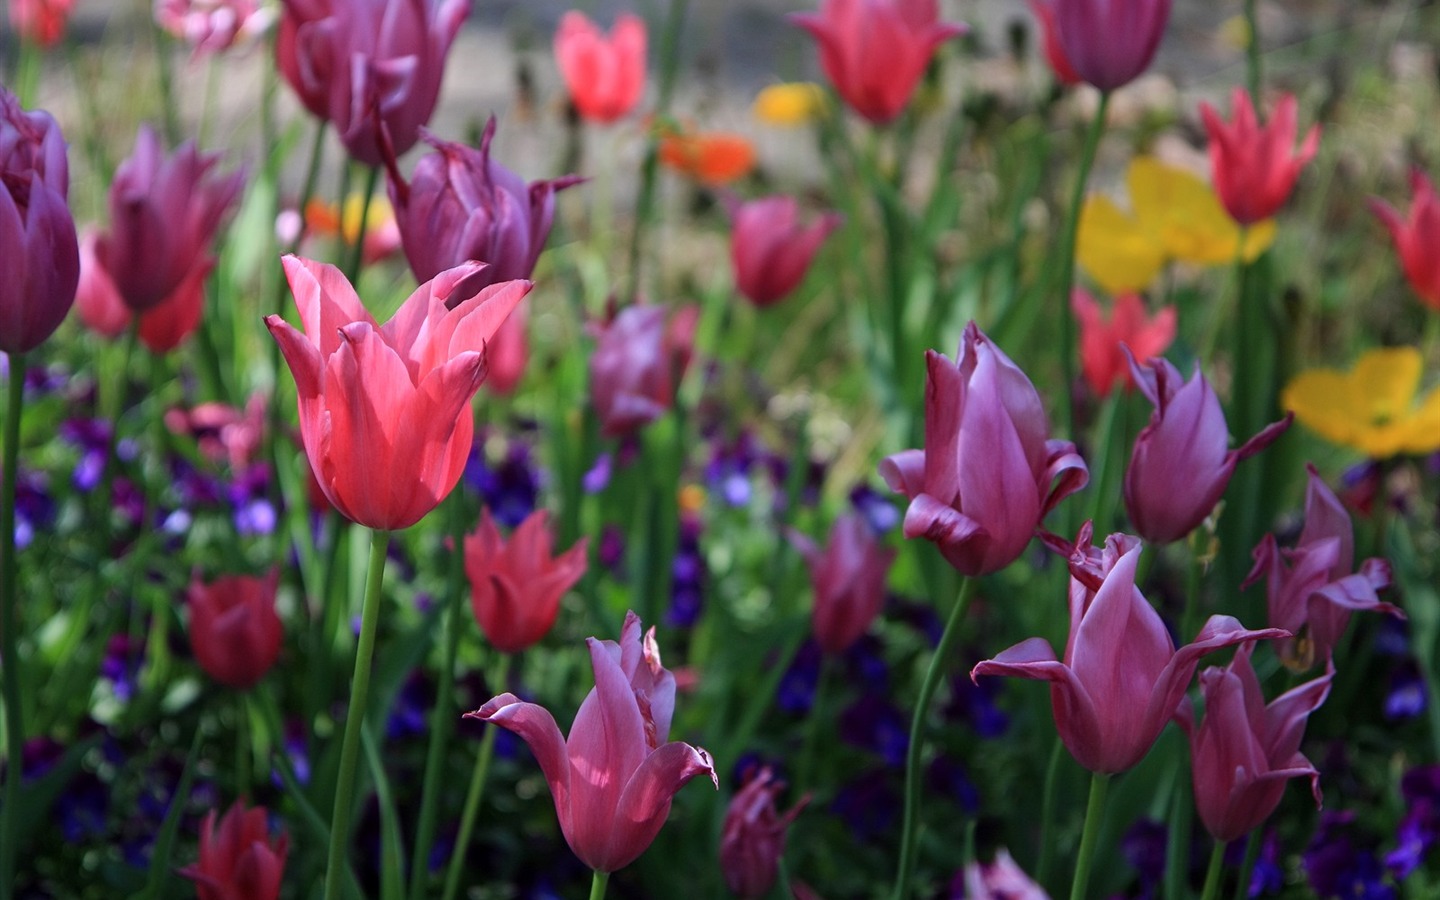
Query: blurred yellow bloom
x=791, y=103
x=1371, y=408
x=1175, y=216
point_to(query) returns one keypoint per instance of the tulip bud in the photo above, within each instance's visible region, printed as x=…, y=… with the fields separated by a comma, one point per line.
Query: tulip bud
x=848, y=578
x=163, y=327
x=605, y=76
x=1110, y=42
x=770, y=250
x=234, y=629
x=240, y=860
x=754, y=837
x=516, y=585
x=1255, y=167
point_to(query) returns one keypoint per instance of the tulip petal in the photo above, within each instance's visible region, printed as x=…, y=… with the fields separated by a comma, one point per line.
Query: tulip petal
x=645, y=802
x=536, y=727
x=326, y=301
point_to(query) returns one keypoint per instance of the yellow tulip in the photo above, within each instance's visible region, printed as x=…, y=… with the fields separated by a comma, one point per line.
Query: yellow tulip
x=1371, y=408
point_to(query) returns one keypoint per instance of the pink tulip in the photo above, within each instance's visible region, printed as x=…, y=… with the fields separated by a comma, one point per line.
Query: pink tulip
x=1103, y=340
x=1054, y=51
x=516, y=585
x=41, y=22
x=874, y=51
x=1313, y=588
x=1244, y=751
x=605, y=76
x=982, y=484
x=241, y=862
x=638, y=360
x=1000, y=879
x=213, y=26
x=613, y=780
x=770, y=250
x=234, y=629
x=1255, y=167
x=1181, y=466
x=1122, y=677
x=384, y=410
x=754, y=836
x=1415, y=236
x=1110, y=42
x=164, y=326
x=848, y=578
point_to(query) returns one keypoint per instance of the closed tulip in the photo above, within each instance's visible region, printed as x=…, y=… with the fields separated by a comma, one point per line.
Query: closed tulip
x=41, y=22
x=848, y=578
x=1255, y=166
x=753, y=839
x=1103, y=339
x=1181, y=463
x=361, y=64
x=241, y=861
x=163, y=327
x=874, y=51
x=385, y=410
x=982, y=484
x=604, y=75
x=1415, y=235
x=1110, y=42
x=613, y=779
x=234, y=629
x=1050, y=43
x=637, y=361
x=37, y=232
x=516, y=585
x=770, y=249
x=1122, y=676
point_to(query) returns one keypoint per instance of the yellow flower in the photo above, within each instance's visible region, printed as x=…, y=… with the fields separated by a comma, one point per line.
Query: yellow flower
x=1371, y=408
x=1176, y=216
x=791, y=103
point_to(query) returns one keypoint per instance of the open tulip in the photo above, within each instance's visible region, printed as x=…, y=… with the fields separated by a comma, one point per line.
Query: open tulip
x=770, y=249
x=1110, y=42
x=874, y=51
x=848, y=578
x=613, y=780
x=516, y=585
x=1000, y=879
x=1103, y=340
x=384, y=410
x=1181, y=463
x=1415, y=235
x=982, y=484
x=754, y=836
x=605, y=76
x=234, y=629
x=213, y=26
x=1255, y=166
x=637, y=360
x=1122, y=676
x=241, y=861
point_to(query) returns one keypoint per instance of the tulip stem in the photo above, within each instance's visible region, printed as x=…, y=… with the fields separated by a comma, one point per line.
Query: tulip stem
x=806, y=781
x=1252, y=52
x=1047, y=814
x=9, y=628
x=357, y=252
x=477, y=787
x=355, y=715
x=1094, y=815
x=1212, y=873
x=909, y=845
x=1247, y=867
x=597, y=885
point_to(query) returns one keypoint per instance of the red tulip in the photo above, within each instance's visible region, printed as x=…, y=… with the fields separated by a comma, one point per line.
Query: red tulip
x=613, y=780
x=1102, y=356
x=241, y=862
x=874, y=51
x=848, y=578
x=605, y=76
x=754, y=837
x=1110, y=42
x=1416, y=235
x=516, y=585
x=637, y=361
x=41, y=22
x=1054, y=51
x=1255, y=166
x=1122, y=676
x=163, y=327
x=234, y=629
x=982, y=484
x=384, y=410
x=770, y=250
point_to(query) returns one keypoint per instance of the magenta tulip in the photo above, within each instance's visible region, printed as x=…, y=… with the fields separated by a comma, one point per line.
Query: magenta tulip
x=1110, y=42
x=848, y=578
x=999, y=879
x=770, y=249
x=638, y=359
x=754, y=836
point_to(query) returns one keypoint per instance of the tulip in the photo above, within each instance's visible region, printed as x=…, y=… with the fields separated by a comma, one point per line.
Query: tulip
x=234, y=629
x=1415, y=235
x=613, y=780
x=848, y=579
x=874, y=51
x=981, y=486
x=1054, y=51
x=605, y=76
x=1110, y=42
x=1244, y=751
x=770, y=250
x=1255, y=166
x=1180, y=466
x=754, y=836
x=37, y=233
x=638, y=358
x=384, y=411
x=1000, y=879
x=213, y=26
x=516, y=585
x=241, y=862
x=1313, y=588
x=163, y=327
x=41, y=22
x=164, y=213
x=369, y=65
x=1102, y=341
x=1122, y=676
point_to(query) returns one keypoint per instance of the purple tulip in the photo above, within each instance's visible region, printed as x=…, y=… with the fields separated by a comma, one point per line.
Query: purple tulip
x=848, y=578
x=769, y=248
x=754, y=837
x=1181, y=467
x=37, y=232
x=638, y=359
x=981, y=486
x=1110, y=42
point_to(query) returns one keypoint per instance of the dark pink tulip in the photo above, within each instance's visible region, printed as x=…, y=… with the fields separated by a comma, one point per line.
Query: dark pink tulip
x=240, y=862
x=1181, y=463
x=770, y=249
x=37, y=233
x=1244, y=751
x=754, y=837
x=361, y=64
x=981, y=486
x=1054, y=53
x=1255, y=167
x=234, y=629
x=1313, y=588
x=848, y=578
x=516, y=585
x=1110, y=42
x=874, y=51
x=164, y=212
x=1415, y=234
x=613, y=780
x=164, y=326
x=638, y=359
x=1122, y=677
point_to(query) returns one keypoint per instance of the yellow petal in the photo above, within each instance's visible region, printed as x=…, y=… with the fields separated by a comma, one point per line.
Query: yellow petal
x=1325, y=401
x=1113, y=248
x=1258, y=239
x=792, y=103
x=1423, y=428
x=1388, y=378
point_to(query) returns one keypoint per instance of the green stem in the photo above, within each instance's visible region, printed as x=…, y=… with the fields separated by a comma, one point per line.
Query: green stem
x=355, y=716
x=244, y=747
x=1177, y=844
x=1047, y=814
x=1247, y=868
x=170, y=115
x=1252, y=52
x=1094, y=815
x=9, y=627
x=357, y=252
x=597, y=885
x=817, y=722
x=475, y=792
x=908, y=840
x=1213, y=872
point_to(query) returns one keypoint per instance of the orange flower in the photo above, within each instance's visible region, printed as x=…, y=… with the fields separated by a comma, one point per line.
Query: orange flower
x=714, y=157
